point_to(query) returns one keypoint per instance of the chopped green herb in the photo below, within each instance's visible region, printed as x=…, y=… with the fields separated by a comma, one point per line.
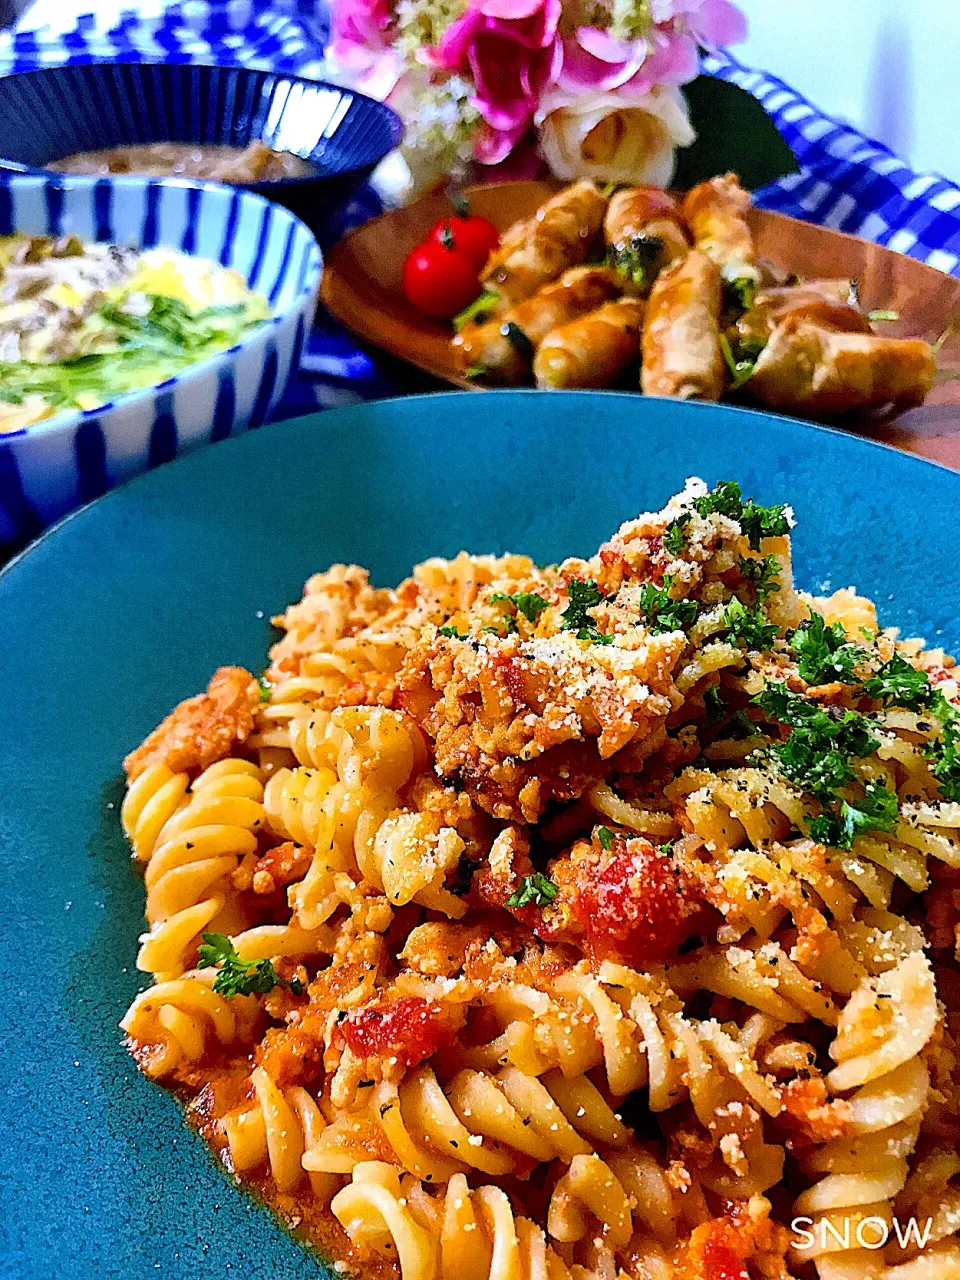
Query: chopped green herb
x=823, y=652
x=749, y=626
x=528, y=603
x=535, y=890
x=817, y=754
x=236, y=977
x=506, y=627
x=639, y=260
x=581, y=596
x=479, y=310
x=764, y=574
x=759, y=522
x=877, y=811
x=605, y=836
x=517, y=339
x=667, y=848
x=476, y=371
x=881, y=315
x=714, y=704
x=452, y=633
x=945, y=751
x=899, y=683
x=756, y=521
x=725, y=500
x=662, y=613
x=266, y=688
x=674, y=537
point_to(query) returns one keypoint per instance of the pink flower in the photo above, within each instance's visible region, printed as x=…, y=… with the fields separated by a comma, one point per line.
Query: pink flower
x=712, y=22
x=511, y=50
x=360, y=25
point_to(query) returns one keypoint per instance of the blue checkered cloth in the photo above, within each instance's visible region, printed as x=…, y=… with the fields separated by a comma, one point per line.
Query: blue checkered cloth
x=846, y=180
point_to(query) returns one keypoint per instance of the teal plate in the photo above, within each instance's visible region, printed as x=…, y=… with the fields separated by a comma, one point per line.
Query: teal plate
x=130, y=604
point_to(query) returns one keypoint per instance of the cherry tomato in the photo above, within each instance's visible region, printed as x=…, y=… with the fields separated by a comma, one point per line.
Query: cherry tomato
x=439, y=281
x=472, y=235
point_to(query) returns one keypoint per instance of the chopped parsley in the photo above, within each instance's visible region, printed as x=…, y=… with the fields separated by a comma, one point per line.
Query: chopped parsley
x=536, y=890
x=756, y=521
x=725, y=500
x=605, y=836
x=639, y=260
x=506, y=627
x=583, y=596
x=452, y=633
x=764, y=574
x=946, y=750
x=898, y=683
x=877, y=811
x=663, y=613
x=816, y=756
x=714, y=704
x=239, y=977
x=881, y=315
x=667, y=849
x=674, y=537
x=749, y=626
x=266, y=688
x=823, y=652
x=528, y=603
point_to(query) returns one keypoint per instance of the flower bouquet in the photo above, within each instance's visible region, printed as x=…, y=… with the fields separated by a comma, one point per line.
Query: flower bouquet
x=585, y=88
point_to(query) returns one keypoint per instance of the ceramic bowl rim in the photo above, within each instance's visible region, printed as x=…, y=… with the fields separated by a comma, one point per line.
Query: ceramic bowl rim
x=390, y=117
x=69, y=421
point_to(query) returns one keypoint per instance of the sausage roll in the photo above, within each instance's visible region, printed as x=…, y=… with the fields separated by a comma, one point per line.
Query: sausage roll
x=682, y=354
x=504, y=347
x=591, y=351
x=823, y=301
x=644, y=231
x=716, y=212
x=535, y=251
x=807, y=367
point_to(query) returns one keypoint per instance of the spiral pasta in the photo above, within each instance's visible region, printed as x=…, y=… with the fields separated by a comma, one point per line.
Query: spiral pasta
x=598, y=921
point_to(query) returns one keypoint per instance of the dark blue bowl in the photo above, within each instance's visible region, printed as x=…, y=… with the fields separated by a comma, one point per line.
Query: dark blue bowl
x=46, y=115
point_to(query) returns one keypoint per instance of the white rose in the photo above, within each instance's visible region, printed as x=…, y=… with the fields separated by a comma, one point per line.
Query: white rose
x=612, y=138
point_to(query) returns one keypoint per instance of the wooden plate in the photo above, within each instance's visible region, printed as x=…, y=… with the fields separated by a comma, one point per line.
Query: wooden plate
x=361, y=288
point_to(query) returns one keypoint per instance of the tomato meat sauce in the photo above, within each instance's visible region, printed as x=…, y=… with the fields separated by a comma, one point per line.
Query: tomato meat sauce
x=410, y=1029
x=634, y=904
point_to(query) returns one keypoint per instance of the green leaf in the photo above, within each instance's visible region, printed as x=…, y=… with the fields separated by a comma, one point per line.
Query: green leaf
x=581, y=596
x=605, y=836
x=236, y=977
x=899, y=683
x=734, y=133
x=479, y=310
x=528, y=603
x=451, y=633
x=822, y=652
x=749, y=626
x=535, y=890
x=663, y=613
x=674, y=536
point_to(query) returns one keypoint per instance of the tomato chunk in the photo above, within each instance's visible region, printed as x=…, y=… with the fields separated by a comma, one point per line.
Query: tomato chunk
x=409, y=1029
x=635, y=906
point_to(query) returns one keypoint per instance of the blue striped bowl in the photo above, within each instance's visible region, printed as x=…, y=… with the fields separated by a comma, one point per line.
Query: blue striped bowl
x=48, y=469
